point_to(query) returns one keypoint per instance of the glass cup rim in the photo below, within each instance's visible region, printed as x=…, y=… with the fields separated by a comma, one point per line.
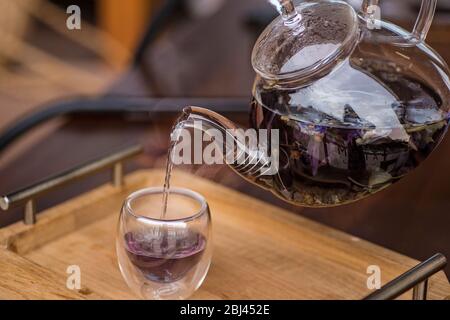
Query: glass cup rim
x=173, y=190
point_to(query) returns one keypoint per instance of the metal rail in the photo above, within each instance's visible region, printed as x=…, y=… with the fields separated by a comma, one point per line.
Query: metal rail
x=416, y=279
x=28, y=195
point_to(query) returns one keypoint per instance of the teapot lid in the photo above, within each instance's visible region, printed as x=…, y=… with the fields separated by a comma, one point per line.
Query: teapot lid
x=307, y=43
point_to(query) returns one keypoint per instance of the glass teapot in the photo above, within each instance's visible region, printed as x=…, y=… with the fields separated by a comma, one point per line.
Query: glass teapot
x=356, y=102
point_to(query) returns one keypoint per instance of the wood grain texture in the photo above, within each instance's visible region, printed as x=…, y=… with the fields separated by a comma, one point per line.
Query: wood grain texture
x=260, y=251
x=34, y=281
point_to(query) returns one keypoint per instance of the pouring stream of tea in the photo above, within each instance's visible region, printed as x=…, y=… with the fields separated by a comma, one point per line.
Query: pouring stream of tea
x=169, y=166
x=175, y=135
x=287, y=10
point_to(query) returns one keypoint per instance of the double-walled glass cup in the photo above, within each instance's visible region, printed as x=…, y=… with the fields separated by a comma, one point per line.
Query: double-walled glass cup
x=164, y=256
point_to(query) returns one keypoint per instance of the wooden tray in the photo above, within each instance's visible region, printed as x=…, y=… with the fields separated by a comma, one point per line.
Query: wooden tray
x=260, y=251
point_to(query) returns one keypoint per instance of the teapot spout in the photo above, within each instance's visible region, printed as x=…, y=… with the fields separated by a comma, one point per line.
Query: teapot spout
x=249, y=153
x=209, y=118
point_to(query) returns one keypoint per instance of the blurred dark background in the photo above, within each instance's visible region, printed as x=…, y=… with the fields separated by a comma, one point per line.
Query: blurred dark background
x=201, y=48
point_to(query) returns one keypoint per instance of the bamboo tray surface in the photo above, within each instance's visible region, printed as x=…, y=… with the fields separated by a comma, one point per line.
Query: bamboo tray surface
x=260, y=251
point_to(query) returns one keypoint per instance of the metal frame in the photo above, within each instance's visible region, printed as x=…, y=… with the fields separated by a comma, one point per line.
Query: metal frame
x=28, y=195
x=416, y=279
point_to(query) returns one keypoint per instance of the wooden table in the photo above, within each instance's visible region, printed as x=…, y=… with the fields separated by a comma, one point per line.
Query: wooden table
x=260, y=251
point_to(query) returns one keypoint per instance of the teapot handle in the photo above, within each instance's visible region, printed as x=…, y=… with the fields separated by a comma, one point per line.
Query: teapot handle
x=424, y=19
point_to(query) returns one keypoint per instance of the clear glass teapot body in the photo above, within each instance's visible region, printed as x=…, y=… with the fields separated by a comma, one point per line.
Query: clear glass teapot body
x=364, y=111
x=374, y=117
